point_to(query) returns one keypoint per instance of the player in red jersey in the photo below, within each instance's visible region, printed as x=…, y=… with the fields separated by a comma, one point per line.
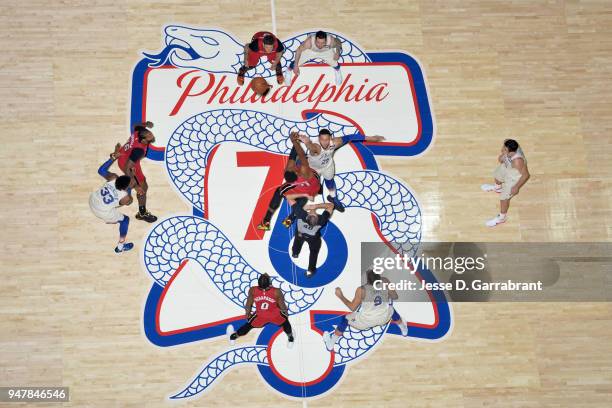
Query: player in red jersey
x=263, y=44
x=270, y=307
x=129, y=162
x=301, y=181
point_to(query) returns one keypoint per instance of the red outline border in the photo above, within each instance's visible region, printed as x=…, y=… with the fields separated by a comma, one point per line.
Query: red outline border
x=178, y=331
x=285, y=379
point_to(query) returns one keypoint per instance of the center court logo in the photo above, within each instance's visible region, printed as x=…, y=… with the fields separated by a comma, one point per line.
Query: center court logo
x=224, y=149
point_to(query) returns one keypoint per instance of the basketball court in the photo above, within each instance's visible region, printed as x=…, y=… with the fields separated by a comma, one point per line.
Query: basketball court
x=444, y=82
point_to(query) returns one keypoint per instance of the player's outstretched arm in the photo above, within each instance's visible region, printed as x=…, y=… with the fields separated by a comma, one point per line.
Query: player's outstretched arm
x=298, y=55
x=280, y=301
x=313, y=148
x=351, y=304
x=127, y=200
x=392, y=293
x=337, y=48
x=147, y=124
x=248, y=307
x=103, y=169
x=305, y=170
x=357, y=137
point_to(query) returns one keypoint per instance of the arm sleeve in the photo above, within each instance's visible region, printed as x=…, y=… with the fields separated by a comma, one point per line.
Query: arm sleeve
x=279, y=47
x=293, y=154
x=103, y=170
x=357, y=137
x=136, y=155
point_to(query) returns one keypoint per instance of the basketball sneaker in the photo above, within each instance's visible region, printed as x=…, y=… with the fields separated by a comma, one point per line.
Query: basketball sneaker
x=491, y=187
x=403, y=326
x=264, y=226
x=329, y=341
x=337, y=204
x=124, y=248
x=499, y=219
x=310, y=274
x=146, y=216
x=229, y=331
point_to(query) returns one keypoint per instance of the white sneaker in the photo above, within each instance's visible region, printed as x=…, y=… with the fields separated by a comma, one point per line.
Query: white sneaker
x=288, y=75
x=403, y=326
x=338, y=75
x=491, y=187
x=229, y=331
x=329, y=341
x=495, y=221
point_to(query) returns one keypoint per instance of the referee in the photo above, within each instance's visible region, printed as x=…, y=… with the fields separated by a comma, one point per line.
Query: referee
x=308, y=229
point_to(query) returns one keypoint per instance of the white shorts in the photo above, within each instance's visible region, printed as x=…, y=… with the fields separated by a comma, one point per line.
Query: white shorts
x=109, y=216
x=326, y=56
x=328, y=172
x=509, y=177
x=363, y=321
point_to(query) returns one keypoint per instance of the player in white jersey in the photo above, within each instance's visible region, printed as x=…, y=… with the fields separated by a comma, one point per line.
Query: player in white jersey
x=113, y=194
x=321, y=157
x=372, y=306
x=318, y=46
x=511, y=174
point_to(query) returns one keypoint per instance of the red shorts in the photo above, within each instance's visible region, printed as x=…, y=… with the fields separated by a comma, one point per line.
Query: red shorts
x=253, y=58
x=138, y=174
x=312, y=190
x=261, y=320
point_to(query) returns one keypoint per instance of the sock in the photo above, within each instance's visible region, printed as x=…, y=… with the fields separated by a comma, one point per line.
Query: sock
x=120, y=246
x=123, y=227
x=331, y=187
x=142, y=209
x=268, y=216
x=337, y=67
x=502, y=216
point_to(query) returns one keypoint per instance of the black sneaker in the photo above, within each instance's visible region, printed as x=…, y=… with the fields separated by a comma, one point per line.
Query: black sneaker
x=295, y=254
x=146, y=216
x=310, y=274
x=337, y=204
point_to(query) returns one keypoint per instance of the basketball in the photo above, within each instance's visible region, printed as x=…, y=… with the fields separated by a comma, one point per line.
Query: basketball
x=259, y=86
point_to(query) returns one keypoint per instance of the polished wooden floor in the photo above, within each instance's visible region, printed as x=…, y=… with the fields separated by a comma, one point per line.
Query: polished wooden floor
x=539, y=71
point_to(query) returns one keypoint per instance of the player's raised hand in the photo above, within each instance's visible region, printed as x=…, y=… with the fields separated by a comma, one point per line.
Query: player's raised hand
x=294, y=136
x=117, y=151
x=304, y=139
x=339, y=292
